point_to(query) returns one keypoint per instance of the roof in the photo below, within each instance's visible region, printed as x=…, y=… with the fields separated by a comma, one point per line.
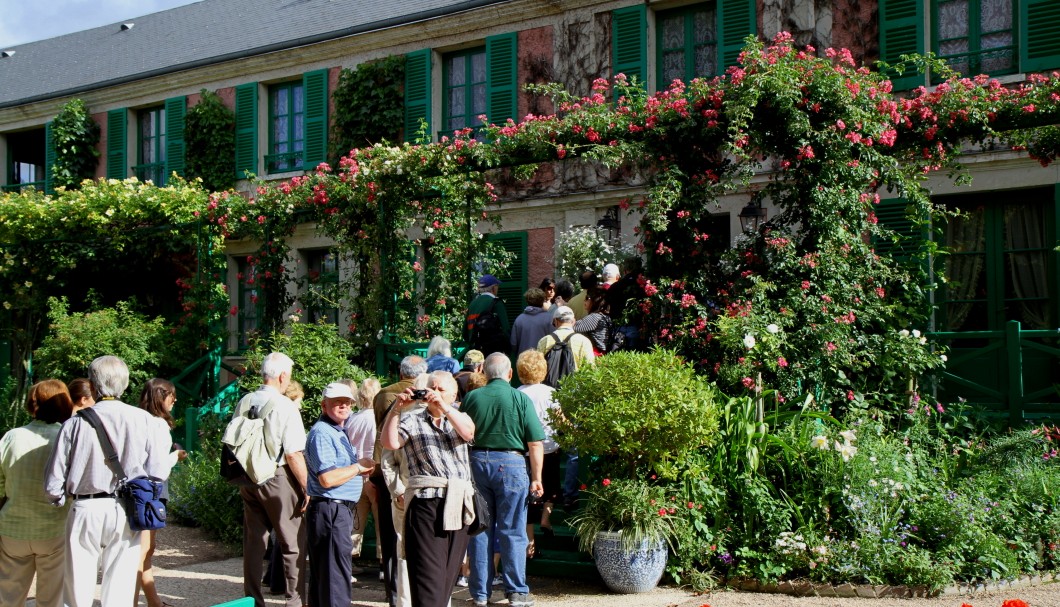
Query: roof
x=203, y=33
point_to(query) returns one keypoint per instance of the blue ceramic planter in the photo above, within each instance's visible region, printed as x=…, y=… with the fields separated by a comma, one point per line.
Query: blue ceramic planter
x=629, y=571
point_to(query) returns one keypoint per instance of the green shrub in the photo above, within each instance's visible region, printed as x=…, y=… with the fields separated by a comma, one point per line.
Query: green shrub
x=640, y=412
x=74, y=137
x=320, y=357
x=13, y=412
x=75, y=339
x=210, y=137
x=200, y=496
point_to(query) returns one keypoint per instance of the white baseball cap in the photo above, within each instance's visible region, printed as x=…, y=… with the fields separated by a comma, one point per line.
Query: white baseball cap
x=338, y=390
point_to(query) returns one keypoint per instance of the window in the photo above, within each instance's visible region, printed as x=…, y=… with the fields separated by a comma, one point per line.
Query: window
x=247, y=317
x=286, y=127
x=477, y=81
x=26, y=160
x=464, y=91
x=700, y=40
x=686, y=41
x=976, y=36
x=151, y=146
x=321, y=294
x=995, y=37
x=998, y=268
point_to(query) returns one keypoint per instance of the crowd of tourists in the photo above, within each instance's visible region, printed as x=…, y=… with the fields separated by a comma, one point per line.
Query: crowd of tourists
x=414, y=453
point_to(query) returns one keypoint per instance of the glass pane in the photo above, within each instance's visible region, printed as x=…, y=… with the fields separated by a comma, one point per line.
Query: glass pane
x=706, y=60
x=279, y=102
x=478, y=101
x=1025, y=265
x=299, y=98
x=299, y=128
x=456, y=71
x=160, y=116
x=953, y=19
x=456, y=122
x=279, y=134
x=970, y=316
x=147, y=128
x=456, y=101
x=673, y=32
x=703, y=26
x=995, y=15
x=1003, y=59
x=673, y=66
x=478, y=67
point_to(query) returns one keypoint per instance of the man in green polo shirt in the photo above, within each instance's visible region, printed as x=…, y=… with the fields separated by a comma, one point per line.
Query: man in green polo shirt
x=506, y=429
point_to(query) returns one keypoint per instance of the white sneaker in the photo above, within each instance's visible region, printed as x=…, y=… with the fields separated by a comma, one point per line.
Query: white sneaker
x=462, y=581
x=497, y=581
x=353, y=579
x=382, y=576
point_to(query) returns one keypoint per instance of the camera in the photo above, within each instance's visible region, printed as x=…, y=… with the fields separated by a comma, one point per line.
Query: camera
x=419, y=394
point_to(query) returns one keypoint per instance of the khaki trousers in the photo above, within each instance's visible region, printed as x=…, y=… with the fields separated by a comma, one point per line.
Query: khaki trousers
x=274, y=506
x=98, y=535
x=21, y=559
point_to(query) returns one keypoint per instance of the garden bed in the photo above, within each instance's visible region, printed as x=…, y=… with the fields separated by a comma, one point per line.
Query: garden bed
x=870, y=591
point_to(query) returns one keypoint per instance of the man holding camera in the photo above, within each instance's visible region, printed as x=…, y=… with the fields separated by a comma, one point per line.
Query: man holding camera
x=333, y=464
x=439, y=495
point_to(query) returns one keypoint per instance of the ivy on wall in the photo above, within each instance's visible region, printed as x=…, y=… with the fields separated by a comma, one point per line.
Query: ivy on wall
x=210, y=137
x=74, y=138
x=369, y=106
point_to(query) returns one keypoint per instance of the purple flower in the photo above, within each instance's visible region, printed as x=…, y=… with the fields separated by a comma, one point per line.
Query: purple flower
x=726, y=558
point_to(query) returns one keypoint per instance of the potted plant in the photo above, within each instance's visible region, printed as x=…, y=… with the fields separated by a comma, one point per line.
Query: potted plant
x=627, y=525
x=637, y=416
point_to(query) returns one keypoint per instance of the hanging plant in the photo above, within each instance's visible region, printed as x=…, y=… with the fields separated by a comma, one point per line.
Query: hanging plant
x=210, y=139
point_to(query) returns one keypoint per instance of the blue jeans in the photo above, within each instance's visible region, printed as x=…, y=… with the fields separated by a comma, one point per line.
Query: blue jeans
x=570, y=479
x=501, y=477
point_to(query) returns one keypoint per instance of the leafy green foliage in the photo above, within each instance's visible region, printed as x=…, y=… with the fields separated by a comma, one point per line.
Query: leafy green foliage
x=210, y=140
x=634, y=508
x=642, y=412
x=13, y=413
x=369, y=105
x=198, y=493
x=320, y=357
x=74, y=136
x=75, y=339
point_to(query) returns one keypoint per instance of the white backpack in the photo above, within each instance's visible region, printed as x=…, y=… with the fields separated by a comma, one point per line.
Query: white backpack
x=249, y=455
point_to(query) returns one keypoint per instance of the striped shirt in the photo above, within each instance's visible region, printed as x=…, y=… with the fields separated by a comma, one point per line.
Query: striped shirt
x=28, y=514
x=433, y=450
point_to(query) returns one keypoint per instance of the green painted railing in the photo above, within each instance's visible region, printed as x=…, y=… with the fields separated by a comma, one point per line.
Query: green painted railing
x=1016, y=373
x=18, y=187
x=200, y=384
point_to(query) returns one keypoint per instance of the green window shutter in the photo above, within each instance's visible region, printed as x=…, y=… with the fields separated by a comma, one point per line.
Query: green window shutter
x=246, y=129
x=117, y=122
x=736, y=21
x=417, y=92
x=629, y=42
x=315, y=85
x=514, y=280
x=49, y=158
x=902, y=32
x=1040, y=27
x=502, y=78
x=176, y=107
x=893, y=214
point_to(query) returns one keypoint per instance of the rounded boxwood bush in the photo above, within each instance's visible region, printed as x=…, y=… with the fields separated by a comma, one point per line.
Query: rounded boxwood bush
x=640, y=412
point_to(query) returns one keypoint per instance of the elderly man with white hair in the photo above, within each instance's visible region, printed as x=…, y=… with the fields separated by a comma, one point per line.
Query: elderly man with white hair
x=279, y=503
x=507, y=429
x=97, y=529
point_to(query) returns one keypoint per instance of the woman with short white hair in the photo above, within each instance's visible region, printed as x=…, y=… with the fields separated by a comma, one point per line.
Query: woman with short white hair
x=440, y=356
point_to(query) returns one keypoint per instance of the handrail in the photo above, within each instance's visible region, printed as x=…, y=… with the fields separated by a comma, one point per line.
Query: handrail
x=18, y=187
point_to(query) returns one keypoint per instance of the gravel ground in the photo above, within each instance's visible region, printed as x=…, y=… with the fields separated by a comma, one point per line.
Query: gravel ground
x=193, y=571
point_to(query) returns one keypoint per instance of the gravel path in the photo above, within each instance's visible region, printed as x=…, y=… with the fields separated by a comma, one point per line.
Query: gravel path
x=193, y=571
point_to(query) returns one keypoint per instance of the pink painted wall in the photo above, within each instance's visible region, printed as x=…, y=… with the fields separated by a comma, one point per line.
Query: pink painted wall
x=540, y=245
x=535, y=66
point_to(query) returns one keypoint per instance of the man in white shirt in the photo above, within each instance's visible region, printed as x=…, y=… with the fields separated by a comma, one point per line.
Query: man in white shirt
x=97, y=529
x=280, y=502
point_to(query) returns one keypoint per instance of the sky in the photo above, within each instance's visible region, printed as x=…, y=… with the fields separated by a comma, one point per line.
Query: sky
x=28, y=21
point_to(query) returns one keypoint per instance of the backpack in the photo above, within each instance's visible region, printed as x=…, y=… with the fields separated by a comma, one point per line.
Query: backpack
x=560, y=360
x=247, y=448
x=487, y=334
x=616, y=340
